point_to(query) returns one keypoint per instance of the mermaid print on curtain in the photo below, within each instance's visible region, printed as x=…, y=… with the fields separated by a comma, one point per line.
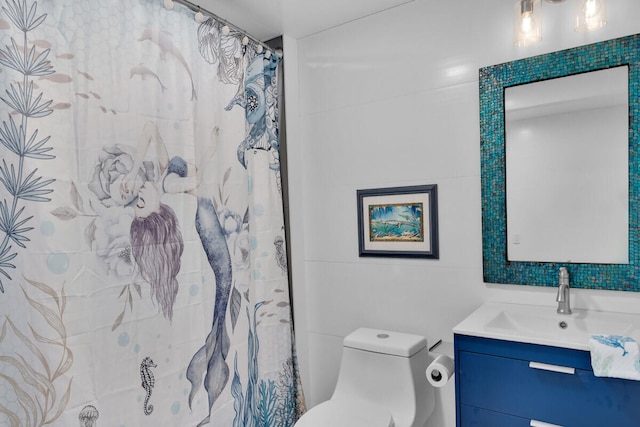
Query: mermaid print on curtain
x=143, y=276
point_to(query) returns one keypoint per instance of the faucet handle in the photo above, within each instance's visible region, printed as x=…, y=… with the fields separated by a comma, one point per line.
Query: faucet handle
x=563, y=276
x=564, y=307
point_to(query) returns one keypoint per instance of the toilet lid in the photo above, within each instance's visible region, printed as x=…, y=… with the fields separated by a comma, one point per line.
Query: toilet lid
x=346, y=413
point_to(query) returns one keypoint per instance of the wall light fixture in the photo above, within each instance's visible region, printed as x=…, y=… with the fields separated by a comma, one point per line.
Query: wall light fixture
x=527, y=18
x=590, y=15
x=527, y=22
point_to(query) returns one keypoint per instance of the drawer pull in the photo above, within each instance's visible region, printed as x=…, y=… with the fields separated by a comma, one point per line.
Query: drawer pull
x=535, y=423
x=552, y=368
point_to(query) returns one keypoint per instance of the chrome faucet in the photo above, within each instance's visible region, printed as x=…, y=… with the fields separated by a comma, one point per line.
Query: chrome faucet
x=564, y=305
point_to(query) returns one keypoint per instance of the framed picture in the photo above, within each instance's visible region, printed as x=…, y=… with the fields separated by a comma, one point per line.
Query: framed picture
x=398, y=222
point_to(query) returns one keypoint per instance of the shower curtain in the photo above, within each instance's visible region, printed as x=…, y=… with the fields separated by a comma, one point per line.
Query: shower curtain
x=143, y=273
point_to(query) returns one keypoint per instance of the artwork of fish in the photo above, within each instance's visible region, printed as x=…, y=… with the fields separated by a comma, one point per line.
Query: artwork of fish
x=144, y=72
x=57, y=78
x=163, y=40
x=85, y=75
x=41, y=43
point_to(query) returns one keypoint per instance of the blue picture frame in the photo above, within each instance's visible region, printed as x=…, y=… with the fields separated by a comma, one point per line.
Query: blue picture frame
x=493, y=80
x=398, y=222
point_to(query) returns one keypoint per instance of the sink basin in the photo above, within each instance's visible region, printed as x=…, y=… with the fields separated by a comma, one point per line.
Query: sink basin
x=542, y=325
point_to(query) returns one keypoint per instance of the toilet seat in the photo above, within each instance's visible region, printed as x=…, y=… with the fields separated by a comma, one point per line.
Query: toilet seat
x=346, y=413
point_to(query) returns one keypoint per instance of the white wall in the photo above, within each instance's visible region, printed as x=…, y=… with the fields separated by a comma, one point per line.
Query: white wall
x=392, y=100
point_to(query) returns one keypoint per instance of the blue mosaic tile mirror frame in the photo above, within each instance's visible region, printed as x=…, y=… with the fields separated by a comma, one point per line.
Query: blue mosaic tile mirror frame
x=493, y=81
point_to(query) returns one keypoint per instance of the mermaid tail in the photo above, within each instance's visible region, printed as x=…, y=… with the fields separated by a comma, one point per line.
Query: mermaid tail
x=209, y=358
x=209, y=363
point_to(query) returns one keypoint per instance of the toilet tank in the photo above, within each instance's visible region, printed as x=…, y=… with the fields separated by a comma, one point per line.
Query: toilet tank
x=387, y=369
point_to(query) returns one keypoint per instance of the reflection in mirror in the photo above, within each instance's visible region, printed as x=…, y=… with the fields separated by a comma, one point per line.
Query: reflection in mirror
x=567, y=169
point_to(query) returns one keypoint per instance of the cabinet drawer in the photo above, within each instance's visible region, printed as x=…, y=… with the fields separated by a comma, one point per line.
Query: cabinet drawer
x=512, y=387
x=475, y=417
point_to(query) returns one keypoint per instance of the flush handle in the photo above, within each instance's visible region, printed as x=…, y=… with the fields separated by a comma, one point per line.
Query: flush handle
x=535, y=423
x=552, y=368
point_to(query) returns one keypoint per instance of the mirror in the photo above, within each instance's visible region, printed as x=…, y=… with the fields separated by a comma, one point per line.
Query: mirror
x=511, y=194
x=567, y=169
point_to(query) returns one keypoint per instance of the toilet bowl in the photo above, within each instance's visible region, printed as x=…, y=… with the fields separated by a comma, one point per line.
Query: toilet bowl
x=346, y=412
x=381, y=383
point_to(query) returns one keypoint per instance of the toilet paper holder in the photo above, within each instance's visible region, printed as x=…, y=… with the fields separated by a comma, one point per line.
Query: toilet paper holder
x=442, y=368
x=436, y=345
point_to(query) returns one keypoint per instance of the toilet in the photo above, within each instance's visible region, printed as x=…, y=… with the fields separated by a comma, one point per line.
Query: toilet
x=381, y=383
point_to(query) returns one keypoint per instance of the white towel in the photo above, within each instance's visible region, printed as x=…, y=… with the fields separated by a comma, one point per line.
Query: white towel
x=615, y=356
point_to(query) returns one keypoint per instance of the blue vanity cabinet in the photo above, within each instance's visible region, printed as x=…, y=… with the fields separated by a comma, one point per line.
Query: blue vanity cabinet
x=510, y=384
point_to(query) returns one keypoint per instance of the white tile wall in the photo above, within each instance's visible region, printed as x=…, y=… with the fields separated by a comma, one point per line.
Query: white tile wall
x=392, y=100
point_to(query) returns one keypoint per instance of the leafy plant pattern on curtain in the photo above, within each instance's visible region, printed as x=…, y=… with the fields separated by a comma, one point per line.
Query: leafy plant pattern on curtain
x=22, y=183
x=263, y=403
x=32, y=383
x=164, y=221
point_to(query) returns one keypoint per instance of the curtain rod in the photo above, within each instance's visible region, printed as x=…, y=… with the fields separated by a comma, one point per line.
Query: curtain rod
x=195, y=8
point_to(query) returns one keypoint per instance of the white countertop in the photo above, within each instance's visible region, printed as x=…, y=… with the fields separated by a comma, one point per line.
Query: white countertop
x=536, y=324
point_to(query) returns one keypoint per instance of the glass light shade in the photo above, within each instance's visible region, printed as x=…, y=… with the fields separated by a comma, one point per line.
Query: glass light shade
x=527, y=22
x=590, y=14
